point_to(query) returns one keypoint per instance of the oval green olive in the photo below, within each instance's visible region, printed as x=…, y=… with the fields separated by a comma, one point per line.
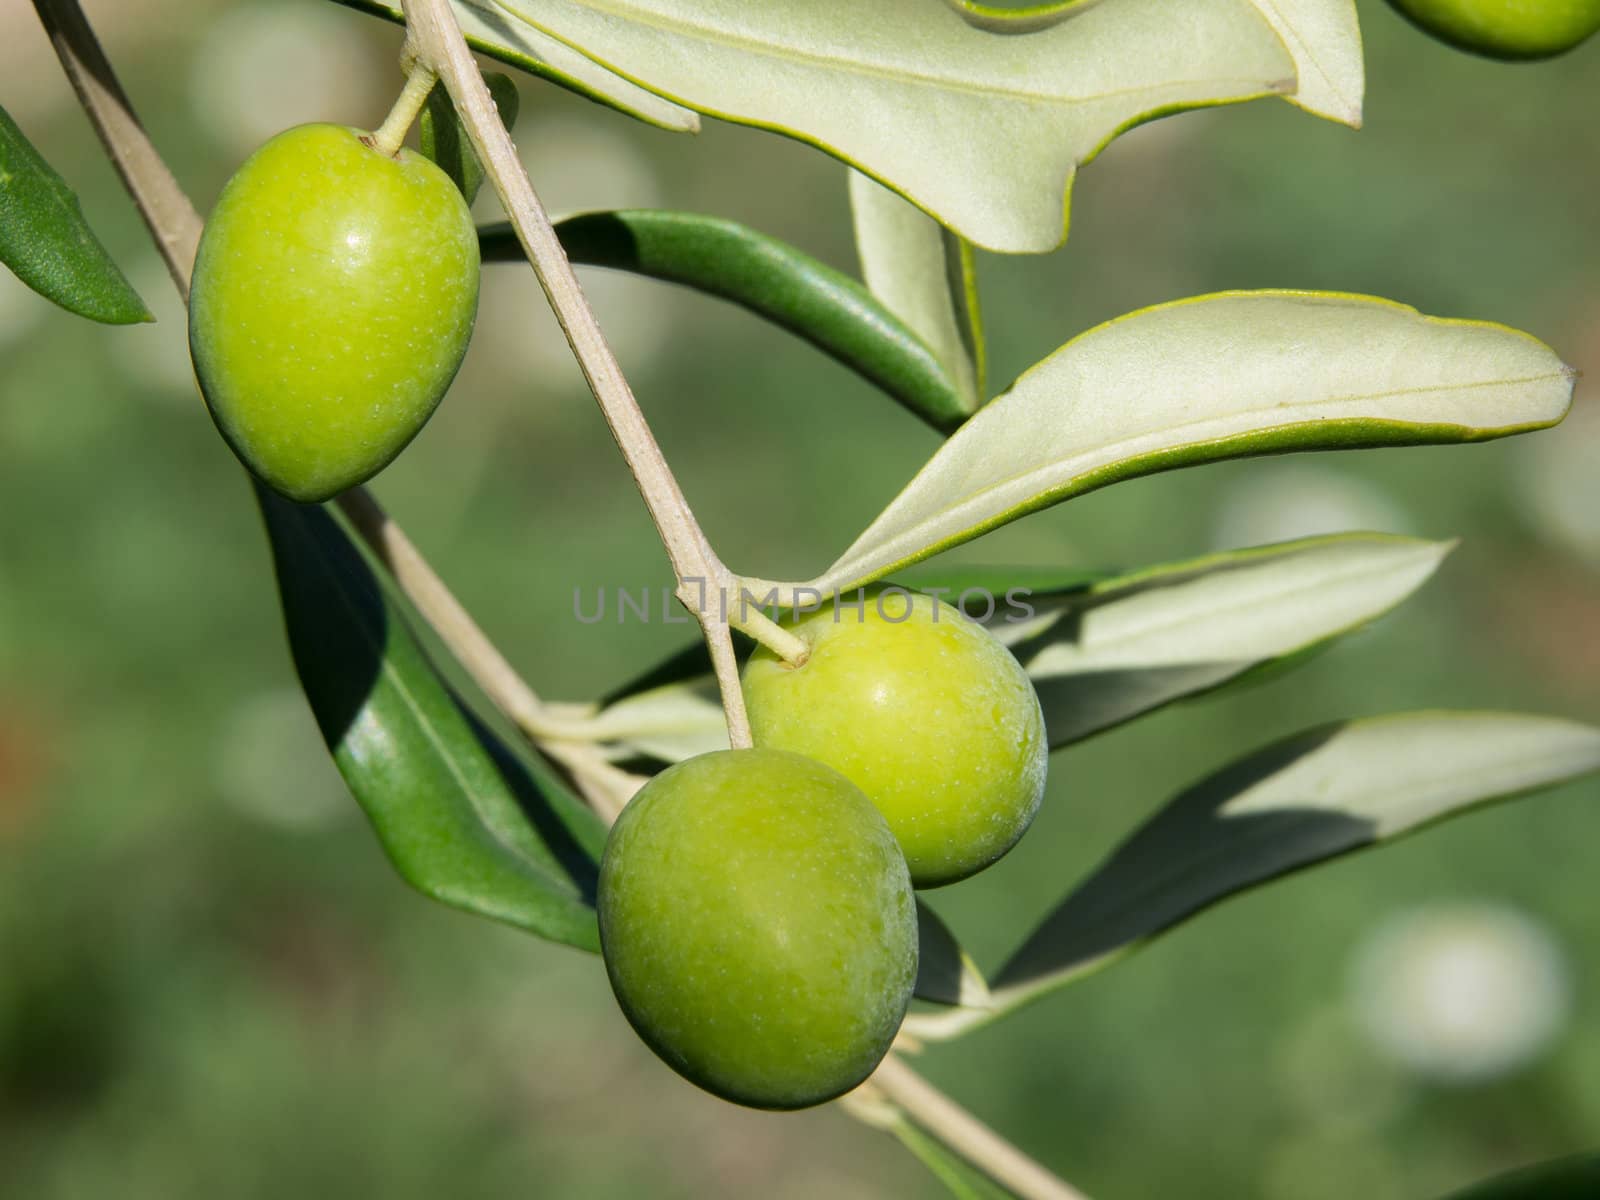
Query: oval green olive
x=333, y=297
x=758, y=926
x=1506, y=28
x=923, y=710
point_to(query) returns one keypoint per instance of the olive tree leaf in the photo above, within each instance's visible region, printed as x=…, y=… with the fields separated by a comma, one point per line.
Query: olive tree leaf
x=47, y=243
x=979, y=120
x=444, y=140
x=1324, y=36
x=960, y=1180
x=1310, y=798
x=461, y=817
x=924, y=274
x=1121, y=647
x=668, y=723
x=971, y=584
x=1200, y=380
x=1573, y=1178
x=946, y=974
x=1102, y=649
x=490, y=32
x=770, y=278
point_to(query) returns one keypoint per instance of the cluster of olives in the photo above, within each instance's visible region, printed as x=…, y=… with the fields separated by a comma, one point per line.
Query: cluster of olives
x=756, y=906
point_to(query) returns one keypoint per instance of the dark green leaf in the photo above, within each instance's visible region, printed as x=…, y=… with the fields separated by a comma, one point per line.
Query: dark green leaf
x=945, y=972
x=463, y=819
x=1575, y=1178
x=46, y=241
x=1310, y=798
x=444, y=140
x=774, y=280
x=948, y=582
x=962, y=1181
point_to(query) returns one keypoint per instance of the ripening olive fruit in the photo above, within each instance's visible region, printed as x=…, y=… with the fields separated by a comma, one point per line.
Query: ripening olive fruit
x=1506, y=28
x=333, y=297
x=758, y=926
x=923, y=710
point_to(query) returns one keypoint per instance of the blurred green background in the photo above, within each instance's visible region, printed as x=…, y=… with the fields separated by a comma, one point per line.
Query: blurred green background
x=211, y=984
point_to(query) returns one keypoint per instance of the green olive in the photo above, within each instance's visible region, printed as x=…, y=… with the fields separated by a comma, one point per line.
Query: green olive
x=333, y=297
x=1506, y=28
x=758, y=926
x=923, y=710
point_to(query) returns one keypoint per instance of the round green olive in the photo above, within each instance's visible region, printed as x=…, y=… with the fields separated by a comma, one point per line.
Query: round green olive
x=758, y=926
x=332, y=301
x=1506, y=28
x=923, y=710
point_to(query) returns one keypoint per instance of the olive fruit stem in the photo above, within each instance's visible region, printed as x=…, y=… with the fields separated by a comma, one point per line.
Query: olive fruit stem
x=419, y=82
x=769, y=633
x=174, y=227
x=434, y=37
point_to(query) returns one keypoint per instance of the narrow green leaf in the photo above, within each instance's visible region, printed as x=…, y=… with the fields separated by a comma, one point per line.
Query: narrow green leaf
x=669, y=722
x=1324, y=37
x=1313, y=797
x=960, y=1180
x=949, y=581
x=1200, y=380
x=1103, y=649
x=489, y=32
x=770, y=278
x=946, y=974
x=924, y=274
x=47, y=243
x=980, y=120
x=1126, y=645
x=444, y=139
x=463, y=819
x=1575, y=1178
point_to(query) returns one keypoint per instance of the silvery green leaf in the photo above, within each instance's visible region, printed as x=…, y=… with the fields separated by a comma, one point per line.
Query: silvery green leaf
x=1313, y=797
x=924, y=274
x=490, y=31
x=1324, y=37
x=1211, y=378
x=1104, y=649
x=978, y=118
x=1121, y=647
x=672, y=722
